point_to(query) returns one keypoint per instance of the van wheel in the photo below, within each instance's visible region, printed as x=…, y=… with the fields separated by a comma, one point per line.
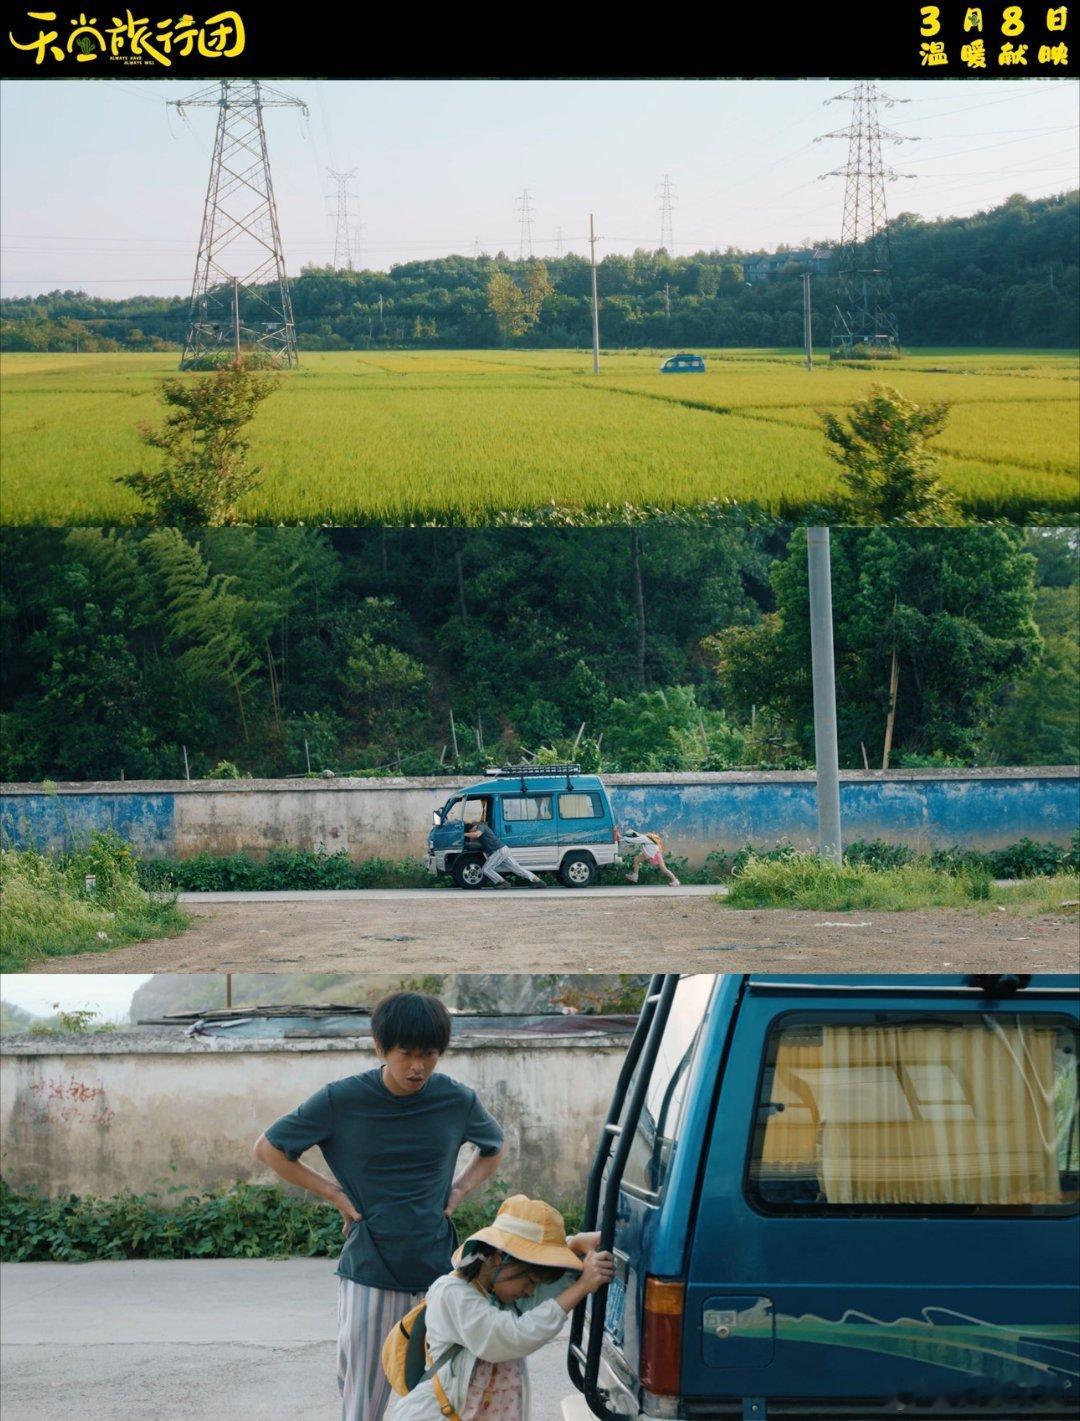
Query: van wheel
x=468, y=871
x=577, y=871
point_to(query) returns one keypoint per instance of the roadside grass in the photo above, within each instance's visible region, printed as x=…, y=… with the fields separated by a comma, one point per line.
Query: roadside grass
x=805, y=881
x=242, y=1221
x=475, y=437
x=46, y=909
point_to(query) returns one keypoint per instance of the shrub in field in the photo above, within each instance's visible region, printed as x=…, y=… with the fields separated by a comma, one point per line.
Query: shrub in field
x=205, y=472
x=890, y=476
x=284, y=869
x=244, y=1221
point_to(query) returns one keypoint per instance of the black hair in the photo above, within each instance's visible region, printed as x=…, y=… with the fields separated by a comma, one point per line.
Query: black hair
x=471, y=1266
x=412, y=1020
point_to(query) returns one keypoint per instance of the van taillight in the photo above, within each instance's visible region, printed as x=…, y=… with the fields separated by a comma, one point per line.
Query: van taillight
x=661, y=1336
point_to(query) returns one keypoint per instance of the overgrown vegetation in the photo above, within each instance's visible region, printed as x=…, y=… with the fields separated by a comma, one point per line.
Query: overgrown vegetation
x=244, y=1221
x=804, y=881
x=294, y=870
x=285, y=651
x=85, y=901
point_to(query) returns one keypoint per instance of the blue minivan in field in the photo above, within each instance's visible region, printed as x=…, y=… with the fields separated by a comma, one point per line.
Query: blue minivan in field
x=839, y=1197
x=552, y=818
x=684, y=363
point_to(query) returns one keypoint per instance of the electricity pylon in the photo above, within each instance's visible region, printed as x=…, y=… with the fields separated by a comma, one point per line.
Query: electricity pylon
x=524, y=207
x=865, y=314
x=344, y=216
x=240, y=214
x=667, y=207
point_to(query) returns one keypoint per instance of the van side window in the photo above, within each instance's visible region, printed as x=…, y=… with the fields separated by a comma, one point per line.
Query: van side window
x=580, y=806
x=526, y=807
x=661, y=1115
x=942, y=1114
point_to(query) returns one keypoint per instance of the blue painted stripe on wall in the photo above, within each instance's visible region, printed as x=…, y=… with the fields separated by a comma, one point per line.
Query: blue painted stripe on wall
x=58, y=821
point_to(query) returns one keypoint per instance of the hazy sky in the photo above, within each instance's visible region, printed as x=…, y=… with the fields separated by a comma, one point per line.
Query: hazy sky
x=109, y=994
x=103, y=187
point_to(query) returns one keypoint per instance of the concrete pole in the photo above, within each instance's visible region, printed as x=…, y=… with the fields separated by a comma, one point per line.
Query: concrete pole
x=595, y=301
x=808, y=333
x=236, y=319
x=824, y=675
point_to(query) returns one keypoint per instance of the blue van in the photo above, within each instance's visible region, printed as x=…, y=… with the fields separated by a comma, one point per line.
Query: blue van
x=683, y=364
x=839, y=1197
x=552, y=818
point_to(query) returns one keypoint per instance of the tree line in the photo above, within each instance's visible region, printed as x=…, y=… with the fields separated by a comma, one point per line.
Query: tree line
x=1005, y=277
x=157, y=652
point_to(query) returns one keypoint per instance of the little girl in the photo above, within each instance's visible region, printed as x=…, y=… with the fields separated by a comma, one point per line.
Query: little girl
x=514, y=1285
x=650, y=850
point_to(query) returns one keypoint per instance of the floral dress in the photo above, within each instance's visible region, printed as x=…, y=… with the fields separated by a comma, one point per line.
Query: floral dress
x=495, y=1392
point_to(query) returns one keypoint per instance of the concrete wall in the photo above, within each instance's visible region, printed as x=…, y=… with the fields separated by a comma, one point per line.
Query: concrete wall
x=141, y=1112
x=390, y=818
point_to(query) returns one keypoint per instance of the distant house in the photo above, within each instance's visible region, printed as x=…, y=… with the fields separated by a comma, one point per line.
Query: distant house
x=770, y=264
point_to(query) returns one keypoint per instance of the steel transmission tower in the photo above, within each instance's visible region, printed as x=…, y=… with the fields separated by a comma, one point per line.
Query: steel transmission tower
x=667, y=207
x=524, y=207
x=240, y=227
x=864, y=300
x=344, y=217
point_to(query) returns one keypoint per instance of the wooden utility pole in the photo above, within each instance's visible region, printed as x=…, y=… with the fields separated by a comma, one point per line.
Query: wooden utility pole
x=894, y=680
x=639, y=603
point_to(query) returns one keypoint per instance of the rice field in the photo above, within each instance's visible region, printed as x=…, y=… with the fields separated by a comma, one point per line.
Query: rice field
x=481, y=436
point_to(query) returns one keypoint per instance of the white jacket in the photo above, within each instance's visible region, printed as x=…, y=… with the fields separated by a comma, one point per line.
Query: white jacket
x=457, y=1312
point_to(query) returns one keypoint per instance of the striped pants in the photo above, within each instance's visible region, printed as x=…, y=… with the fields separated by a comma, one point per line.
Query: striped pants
x=365, y=1316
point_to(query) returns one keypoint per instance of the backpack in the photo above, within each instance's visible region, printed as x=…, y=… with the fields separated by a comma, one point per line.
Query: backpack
x=405, y=1361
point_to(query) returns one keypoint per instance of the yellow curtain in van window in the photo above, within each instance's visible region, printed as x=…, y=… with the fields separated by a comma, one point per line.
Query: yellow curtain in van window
x=938, y=1115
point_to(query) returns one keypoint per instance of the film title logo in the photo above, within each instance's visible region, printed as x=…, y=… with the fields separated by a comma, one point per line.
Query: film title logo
x=128, y=40
x=993, y=37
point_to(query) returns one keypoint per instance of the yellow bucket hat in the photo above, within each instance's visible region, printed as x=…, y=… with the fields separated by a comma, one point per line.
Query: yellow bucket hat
x=529, y=1230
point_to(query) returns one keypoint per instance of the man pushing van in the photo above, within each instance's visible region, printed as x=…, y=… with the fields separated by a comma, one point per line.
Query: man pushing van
x=498, y=856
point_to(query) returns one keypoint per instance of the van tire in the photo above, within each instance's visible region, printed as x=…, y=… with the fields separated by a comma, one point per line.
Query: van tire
x=577, y=871
x=467, y=871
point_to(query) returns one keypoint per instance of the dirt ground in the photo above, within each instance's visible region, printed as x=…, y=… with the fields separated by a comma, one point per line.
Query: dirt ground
x=521, y=932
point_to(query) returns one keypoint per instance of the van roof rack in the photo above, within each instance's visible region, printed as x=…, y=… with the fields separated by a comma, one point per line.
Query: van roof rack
x=535, y=772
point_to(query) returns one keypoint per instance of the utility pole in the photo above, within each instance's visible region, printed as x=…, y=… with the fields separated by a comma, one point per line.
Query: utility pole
x=595, y=301
x=343, y=217
x=667, y=205
x=865, y=314
x=240, y=219
x=236, y=319
x=830, y=844
x=807, y=322
x=524, y=207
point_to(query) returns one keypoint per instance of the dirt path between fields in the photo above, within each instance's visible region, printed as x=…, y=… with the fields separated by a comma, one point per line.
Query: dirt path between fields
x=519, y=932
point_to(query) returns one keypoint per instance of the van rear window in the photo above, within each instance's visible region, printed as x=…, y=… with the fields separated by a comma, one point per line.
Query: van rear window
x=579, y=805
x=974, y=1114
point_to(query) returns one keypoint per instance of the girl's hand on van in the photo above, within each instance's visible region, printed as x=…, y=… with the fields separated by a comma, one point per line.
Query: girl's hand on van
x=349, y=1215
x=599, y=1269
x=581, y=1244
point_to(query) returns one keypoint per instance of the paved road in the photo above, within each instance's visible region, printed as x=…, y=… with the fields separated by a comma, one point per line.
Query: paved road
x=605, y=930
x=208, y=1340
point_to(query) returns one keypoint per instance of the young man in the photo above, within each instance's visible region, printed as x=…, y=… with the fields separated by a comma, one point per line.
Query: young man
x=391, y=1136
x=498, y=856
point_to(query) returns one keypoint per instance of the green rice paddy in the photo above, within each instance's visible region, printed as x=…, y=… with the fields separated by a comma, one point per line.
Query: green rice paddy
x=479, y=436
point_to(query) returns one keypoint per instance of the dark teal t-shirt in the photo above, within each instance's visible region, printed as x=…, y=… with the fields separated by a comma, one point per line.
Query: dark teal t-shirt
x=394, y=1156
